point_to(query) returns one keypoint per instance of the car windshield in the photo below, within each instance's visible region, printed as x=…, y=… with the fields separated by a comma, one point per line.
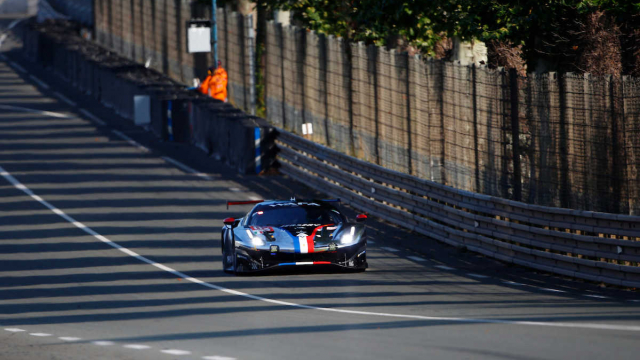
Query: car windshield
x=292, y=215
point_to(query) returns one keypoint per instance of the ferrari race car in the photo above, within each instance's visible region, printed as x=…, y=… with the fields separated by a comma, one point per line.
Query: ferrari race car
x=275, y=234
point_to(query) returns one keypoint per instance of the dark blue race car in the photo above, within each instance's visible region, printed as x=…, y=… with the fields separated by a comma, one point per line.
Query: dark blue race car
x=292, y=233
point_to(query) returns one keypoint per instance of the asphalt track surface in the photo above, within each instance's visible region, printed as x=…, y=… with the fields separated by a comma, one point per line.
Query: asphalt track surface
x=109, y=249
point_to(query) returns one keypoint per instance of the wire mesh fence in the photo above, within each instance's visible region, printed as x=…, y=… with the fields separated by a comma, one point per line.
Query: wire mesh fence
x=557, y=140
x=563, y=140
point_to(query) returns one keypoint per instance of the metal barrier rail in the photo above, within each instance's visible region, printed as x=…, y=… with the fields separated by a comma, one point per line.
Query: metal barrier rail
x=582, y=244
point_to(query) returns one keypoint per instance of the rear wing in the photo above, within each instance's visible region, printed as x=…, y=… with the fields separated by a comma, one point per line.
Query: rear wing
x=243, y=202
x=247, y=202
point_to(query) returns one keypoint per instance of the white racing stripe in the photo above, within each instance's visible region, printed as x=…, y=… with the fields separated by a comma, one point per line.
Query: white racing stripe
x=88, y=230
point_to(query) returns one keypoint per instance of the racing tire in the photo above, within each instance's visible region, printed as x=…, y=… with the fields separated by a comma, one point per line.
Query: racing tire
x=226, y=248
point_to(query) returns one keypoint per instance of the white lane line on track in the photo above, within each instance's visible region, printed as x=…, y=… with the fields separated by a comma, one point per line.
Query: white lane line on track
x=102, y=343
x=176, y=352
x=234, y=189
x=88, y=230
x=69, y=338
x=65, y=99
x=370, y=242
x=33, y=111
x=14, y=23
x=4, y=35
x=17, y=67
x=39, y=82
x=15, y=330
x=552, y=290
x=180, y=165
x=478, y=276
x=389, y=249
x=92, y=117
x=251, y=197
x=597, y=296
x=130, y=140
x=40, y=334
x=512, y=283
x=415, y=258
x=137, y=346
x=443, y=267
x=216, y=357
x=186, y=168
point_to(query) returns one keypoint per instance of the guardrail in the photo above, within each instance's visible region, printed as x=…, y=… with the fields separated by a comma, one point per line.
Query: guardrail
x=581, y=244
x=176, y=114
x=587, y=245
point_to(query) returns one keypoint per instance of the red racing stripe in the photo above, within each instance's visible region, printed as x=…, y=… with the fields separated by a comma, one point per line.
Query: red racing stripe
x=310, y=238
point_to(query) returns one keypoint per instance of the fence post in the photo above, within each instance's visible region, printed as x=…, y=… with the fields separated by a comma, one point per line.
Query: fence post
x=250, y=98
x=279, y=33
x=474, y=102
x=322, y=40
x=346, y=47
x=515, y=134
x=408, y=103
x=373, y=62
x=443, y=172
x=564, y=154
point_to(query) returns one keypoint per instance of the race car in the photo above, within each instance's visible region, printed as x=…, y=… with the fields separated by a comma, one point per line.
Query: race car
x=280, y=233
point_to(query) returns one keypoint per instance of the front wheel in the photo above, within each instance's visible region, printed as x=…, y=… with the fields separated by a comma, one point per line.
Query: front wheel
x=228, y=255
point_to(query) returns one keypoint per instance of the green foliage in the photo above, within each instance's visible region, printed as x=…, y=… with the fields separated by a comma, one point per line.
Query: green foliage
x=423, y=23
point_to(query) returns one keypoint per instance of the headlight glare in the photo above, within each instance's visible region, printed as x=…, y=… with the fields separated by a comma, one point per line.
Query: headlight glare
x=256, y=241
x=348, y=238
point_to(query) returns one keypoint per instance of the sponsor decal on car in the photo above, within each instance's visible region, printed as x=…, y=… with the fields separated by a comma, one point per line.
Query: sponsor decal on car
x=257, y=230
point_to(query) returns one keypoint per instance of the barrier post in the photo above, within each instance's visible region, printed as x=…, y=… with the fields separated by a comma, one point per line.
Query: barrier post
x=258, y=158
x=169, y=119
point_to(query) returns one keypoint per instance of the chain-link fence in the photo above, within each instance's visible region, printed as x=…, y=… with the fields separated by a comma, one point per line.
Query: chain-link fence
x=559, y=140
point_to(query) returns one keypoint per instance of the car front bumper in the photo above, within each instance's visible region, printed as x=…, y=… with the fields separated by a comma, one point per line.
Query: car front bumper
x=350, y=257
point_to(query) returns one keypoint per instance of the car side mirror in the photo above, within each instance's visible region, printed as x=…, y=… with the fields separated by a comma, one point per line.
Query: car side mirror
x=229, y=222
x=361, y=217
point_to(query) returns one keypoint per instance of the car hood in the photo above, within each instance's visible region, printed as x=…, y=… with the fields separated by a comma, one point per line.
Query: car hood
x=299, y=238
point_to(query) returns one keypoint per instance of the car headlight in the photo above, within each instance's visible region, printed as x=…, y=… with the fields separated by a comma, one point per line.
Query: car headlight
x=348, y=238
x=256, y=241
